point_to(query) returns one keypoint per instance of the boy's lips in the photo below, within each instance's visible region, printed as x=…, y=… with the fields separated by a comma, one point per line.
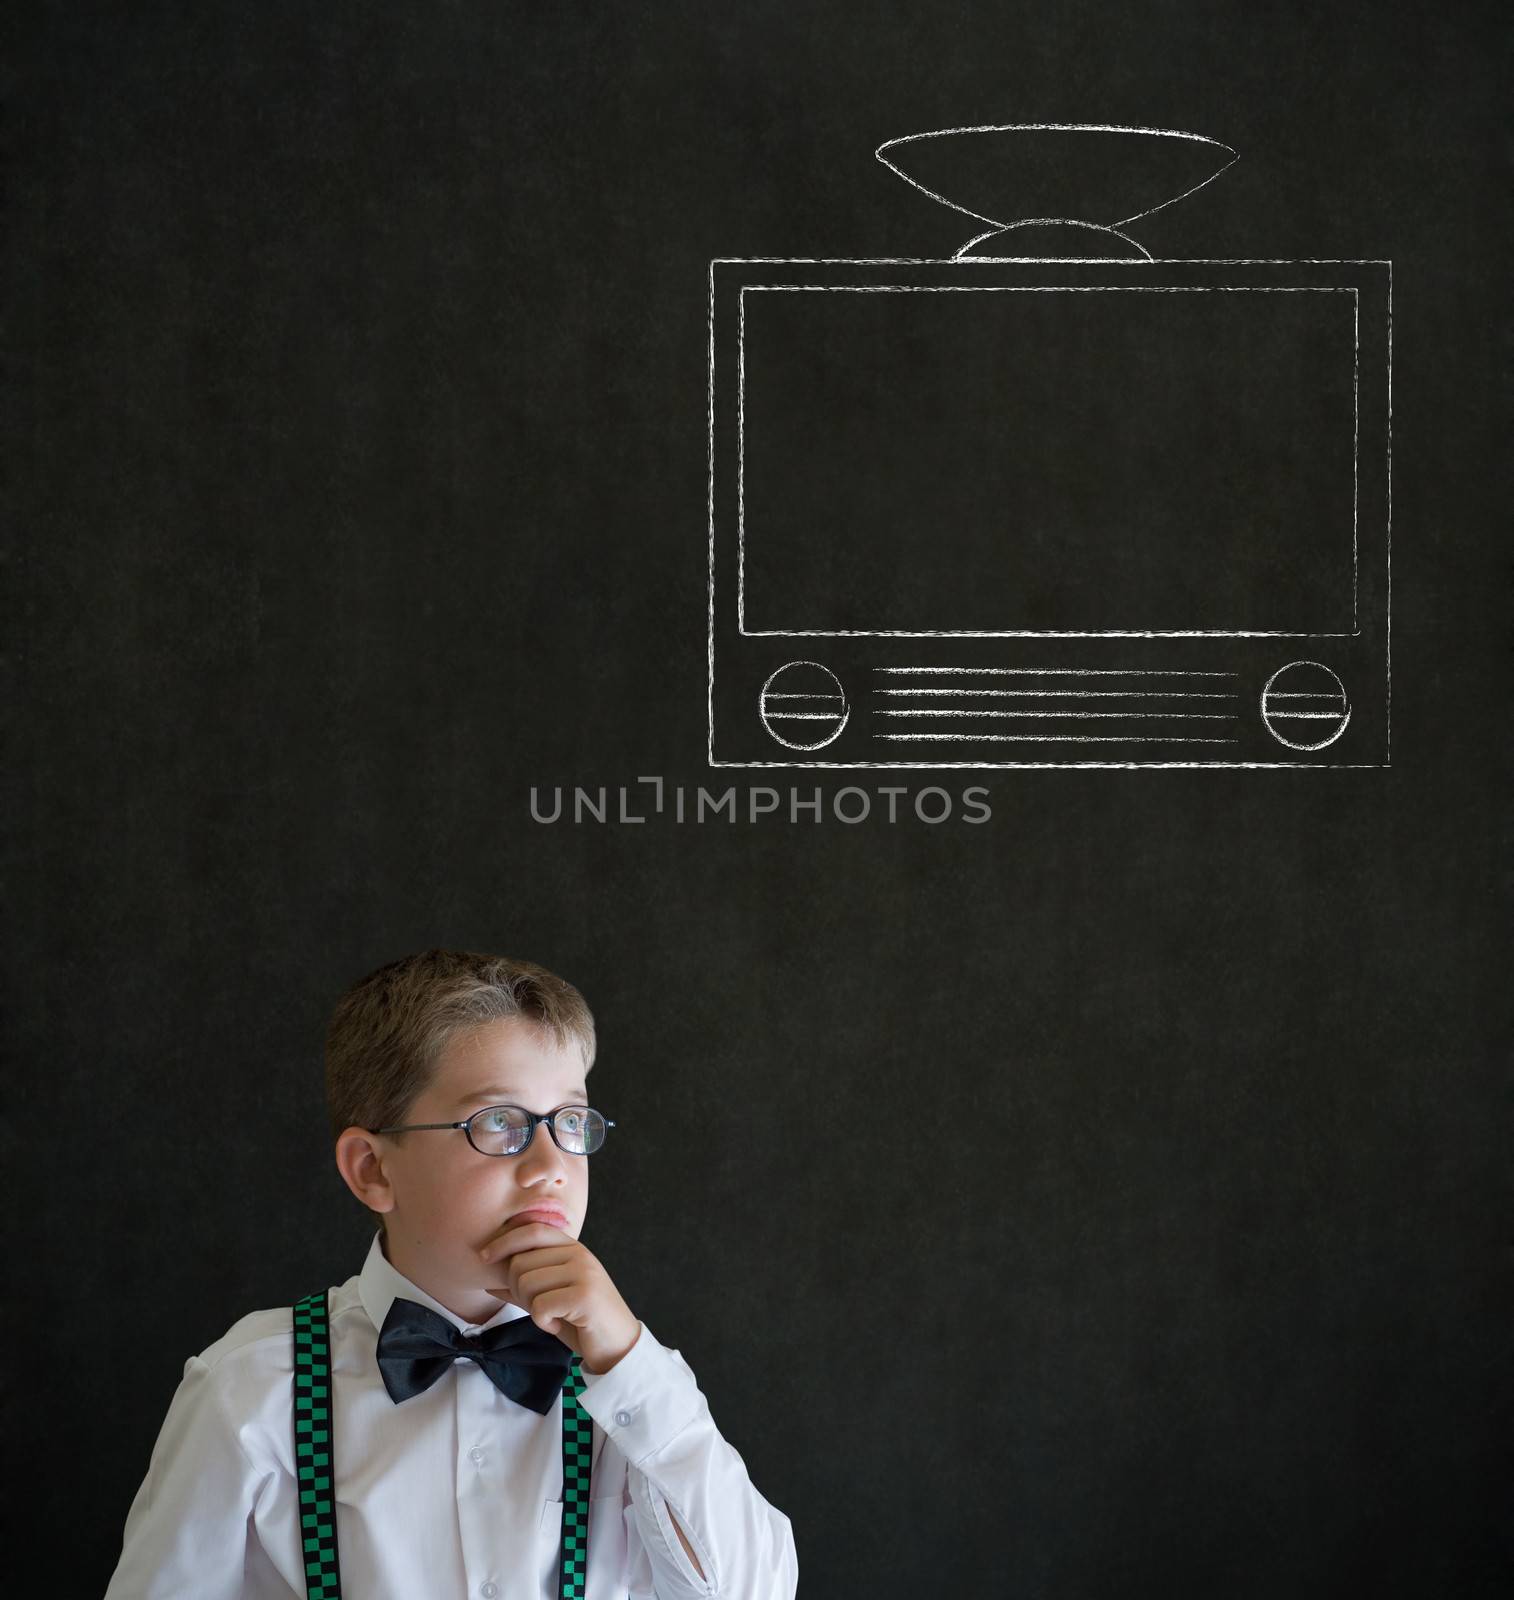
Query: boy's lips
x=552, y=1214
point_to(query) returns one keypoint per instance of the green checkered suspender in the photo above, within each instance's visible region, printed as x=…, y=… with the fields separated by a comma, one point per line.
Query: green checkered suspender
x=577, y=1445
x=312, y=1447
x=312, y=1460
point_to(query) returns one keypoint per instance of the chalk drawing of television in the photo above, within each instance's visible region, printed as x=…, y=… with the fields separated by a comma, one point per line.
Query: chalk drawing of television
x=1050, y=501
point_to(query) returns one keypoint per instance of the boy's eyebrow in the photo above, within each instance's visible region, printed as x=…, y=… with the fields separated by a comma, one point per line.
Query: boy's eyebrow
x=578, y=1096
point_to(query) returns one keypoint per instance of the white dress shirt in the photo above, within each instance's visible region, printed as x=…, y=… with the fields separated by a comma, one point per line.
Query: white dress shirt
x=454, y=1494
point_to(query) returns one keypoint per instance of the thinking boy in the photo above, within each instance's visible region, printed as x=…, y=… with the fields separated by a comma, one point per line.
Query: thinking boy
x=478, y=1412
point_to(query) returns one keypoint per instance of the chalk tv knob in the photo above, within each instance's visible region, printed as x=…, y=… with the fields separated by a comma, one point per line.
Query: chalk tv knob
x=803, y=705
x=1304, y=706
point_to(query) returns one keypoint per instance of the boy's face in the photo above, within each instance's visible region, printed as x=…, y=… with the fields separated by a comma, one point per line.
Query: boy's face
x=450, y=1200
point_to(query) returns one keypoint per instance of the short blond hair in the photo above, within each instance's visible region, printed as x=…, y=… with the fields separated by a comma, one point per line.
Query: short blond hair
x=389, y=1029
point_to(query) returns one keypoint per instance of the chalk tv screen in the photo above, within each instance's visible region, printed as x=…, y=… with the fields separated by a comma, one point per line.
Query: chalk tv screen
x=995, y=459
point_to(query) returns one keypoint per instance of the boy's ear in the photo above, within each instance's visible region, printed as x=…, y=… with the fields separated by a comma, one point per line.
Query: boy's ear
x=361, y=1165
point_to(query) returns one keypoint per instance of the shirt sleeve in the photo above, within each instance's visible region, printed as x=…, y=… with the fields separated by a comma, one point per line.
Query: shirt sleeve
x=187, y=1531
x=649, y=1403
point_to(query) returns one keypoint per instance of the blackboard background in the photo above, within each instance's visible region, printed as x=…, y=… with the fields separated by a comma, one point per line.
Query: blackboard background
x=357, y=421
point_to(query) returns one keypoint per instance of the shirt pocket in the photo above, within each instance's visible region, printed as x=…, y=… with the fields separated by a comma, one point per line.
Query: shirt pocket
x=606, y=1569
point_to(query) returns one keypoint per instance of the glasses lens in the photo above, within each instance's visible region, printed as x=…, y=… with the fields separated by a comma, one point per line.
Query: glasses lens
x=499, y=1130
x=580, y=1130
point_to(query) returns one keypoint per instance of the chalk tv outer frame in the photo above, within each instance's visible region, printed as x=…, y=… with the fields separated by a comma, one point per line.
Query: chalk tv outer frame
x=858, y=697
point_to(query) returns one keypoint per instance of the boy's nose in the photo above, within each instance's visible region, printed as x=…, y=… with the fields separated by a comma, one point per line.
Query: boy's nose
x=542, y=1149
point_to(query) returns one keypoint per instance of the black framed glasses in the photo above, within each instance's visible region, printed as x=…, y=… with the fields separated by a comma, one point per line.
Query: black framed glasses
x=507, y=1130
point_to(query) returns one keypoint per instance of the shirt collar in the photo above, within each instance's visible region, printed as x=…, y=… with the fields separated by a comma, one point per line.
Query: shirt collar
x=380, y=1284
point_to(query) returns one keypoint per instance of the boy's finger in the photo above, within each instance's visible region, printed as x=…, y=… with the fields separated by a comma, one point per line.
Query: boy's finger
x=524, y=1236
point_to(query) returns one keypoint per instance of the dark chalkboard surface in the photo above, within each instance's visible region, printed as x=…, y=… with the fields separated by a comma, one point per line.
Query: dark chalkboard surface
x=1063, y=1182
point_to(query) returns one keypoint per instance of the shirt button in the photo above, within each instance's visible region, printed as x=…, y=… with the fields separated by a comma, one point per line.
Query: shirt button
x=475, y=1455
x=489, y=1590
x=624, y=1418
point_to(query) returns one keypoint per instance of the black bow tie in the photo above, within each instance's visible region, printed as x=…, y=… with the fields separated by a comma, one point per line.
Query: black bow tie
x=416, y=1346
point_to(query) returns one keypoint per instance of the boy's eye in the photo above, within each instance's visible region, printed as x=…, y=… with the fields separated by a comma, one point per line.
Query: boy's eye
x=497, y=1120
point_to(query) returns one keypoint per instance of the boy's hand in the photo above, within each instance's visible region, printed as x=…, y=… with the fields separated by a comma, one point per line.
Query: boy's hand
x=565, y=1290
